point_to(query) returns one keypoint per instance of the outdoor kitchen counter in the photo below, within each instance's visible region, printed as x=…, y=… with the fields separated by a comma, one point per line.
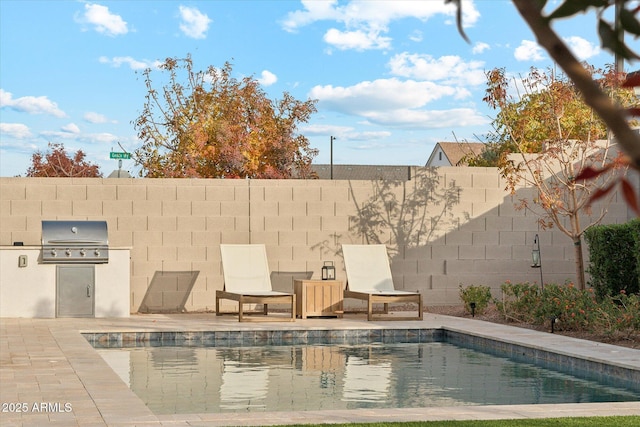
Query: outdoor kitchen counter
x=28, y=287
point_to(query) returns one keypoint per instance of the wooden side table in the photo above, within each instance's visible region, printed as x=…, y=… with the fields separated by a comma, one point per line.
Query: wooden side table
x=318, y=298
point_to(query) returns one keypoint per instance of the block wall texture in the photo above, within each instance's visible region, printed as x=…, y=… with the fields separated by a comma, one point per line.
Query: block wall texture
x=445, y=228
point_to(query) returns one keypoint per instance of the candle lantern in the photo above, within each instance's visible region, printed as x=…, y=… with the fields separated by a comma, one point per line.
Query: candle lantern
x=328, y=271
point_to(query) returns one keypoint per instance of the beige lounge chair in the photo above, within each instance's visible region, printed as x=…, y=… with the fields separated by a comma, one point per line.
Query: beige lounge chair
x=247, y=280
x=369, y=278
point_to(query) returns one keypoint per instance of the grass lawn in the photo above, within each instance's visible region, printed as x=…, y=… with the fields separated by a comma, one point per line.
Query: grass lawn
x=630, y=421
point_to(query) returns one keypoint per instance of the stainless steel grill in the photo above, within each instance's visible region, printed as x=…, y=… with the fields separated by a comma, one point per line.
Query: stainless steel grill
x=75, y=242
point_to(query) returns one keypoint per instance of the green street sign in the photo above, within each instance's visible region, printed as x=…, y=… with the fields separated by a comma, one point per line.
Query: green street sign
x=115, y=155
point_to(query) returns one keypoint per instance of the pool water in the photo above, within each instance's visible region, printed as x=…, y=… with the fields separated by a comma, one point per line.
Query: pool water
x=181, y=380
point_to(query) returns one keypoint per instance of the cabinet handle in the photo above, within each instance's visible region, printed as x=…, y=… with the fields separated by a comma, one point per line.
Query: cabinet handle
x=88, y=291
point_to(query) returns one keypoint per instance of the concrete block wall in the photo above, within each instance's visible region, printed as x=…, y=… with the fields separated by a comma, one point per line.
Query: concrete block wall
x=444, y=228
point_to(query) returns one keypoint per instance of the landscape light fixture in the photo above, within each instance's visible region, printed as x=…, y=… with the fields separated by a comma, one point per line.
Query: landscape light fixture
x=536, y=258
x=473, y=309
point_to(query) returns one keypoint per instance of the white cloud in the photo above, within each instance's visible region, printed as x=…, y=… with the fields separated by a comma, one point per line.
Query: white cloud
x=449, y=69
x=100, y=138
x=480, y=47
x=30, y=104
x=134, y=64
x=371, y=145
x=92, y=117
x=102, y=20
x=380, y=94
x=71, y=128
x=581, y=48
x=529, y=51
x=313, y=11
x=87, y=138
x=315, y=129
x=393, y=102
x=15, y=130
x=358, y=40
x=365, y=21
x=5, y=98
x=194, y=23
x=267, y=78
x=470, y=14
x=373, y=13
x=346, y=133
x=416, y=36
x=57, y=134
x=429, y=119
x=367, y=135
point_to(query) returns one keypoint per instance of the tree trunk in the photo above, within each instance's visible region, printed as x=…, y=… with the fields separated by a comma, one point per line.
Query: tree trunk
x=580, y=279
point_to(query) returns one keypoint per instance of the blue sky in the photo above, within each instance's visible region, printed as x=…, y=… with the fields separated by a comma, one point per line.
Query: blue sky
x=391, y=78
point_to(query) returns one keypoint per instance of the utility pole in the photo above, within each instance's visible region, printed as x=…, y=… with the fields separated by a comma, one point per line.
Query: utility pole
x=332, y=138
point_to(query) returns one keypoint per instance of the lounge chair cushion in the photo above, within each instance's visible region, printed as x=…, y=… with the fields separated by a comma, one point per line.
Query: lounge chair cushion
x=247, y=280
x=246, y=270
x=368, y=270
x=369, y=278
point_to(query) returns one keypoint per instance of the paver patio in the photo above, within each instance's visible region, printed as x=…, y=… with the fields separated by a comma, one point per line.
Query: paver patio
x=48, y=361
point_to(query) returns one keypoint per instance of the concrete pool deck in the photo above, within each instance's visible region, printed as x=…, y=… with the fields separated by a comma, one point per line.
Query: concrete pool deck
x=50, y=368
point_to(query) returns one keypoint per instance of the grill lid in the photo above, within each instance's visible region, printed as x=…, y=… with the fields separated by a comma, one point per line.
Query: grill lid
x=75, y=242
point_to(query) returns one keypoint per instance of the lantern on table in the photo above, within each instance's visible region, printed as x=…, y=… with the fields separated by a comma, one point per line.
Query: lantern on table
x=328, y=271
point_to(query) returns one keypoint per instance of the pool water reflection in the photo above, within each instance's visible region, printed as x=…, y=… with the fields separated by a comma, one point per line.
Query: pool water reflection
x=180, y=380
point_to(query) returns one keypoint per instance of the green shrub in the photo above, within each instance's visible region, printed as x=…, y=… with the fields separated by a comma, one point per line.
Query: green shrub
x=518, y=300
x=574, y=309
x=614, y=263
x=635, y=232
x=624, y=313
x=480, y=295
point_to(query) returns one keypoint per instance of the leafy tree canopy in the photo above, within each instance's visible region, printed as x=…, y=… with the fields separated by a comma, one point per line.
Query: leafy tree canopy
x=612, y=37
x=57, y=163
x=212, y=125
x=543, y=107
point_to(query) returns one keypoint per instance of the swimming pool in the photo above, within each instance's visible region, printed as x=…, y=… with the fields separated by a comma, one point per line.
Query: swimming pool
x=315, y=370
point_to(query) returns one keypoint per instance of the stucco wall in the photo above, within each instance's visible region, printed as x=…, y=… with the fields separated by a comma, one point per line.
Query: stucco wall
x=447, y=227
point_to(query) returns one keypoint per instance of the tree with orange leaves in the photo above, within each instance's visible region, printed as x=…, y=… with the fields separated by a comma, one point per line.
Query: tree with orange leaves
x=57, y=163
x=215, y=126
x=548, y=135
x=626, y=22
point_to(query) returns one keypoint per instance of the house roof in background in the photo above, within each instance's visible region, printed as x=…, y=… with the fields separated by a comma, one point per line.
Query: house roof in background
x=455, y=151
x=364, y=172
